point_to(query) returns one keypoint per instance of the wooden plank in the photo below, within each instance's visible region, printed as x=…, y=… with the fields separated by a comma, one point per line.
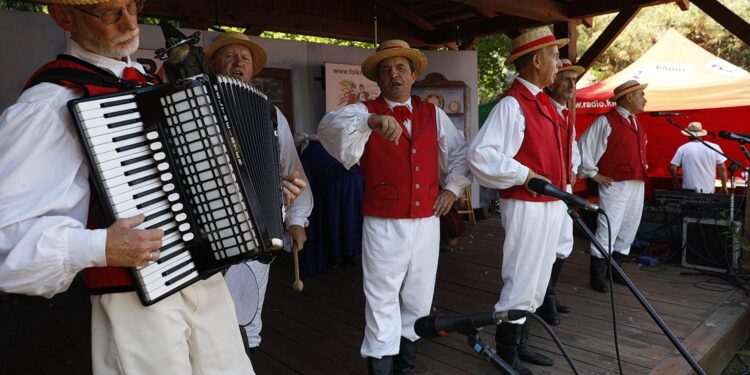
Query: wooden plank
x=544, y=11
x=731, y=21
x=607, y=36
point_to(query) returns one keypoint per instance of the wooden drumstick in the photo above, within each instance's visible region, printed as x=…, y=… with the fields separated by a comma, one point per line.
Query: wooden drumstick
x=297, y=282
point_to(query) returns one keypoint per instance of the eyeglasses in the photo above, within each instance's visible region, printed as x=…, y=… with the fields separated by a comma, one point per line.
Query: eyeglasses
x=114, y=16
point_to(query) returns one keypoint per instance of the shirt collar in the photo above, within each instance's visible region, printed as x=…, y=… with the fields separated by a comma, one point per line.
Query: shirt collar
x=392, y=103
x=530, y=86
x=559, y=107
x=623, y=112
x=112, y=65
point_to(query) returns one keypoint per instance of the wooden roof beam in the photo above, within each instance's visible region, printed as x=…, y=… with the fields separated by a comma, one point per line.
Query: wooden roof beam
x=406, y=14
x=485, y=11
x=683, y=4
x=726, y=18
x=480, y=28
x=578, y=9
x=545, y=11
x=607, y=37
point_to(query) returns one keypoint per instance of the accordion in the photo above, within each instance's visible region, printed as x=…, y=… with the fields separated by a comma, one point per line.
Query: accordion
x=200, y=159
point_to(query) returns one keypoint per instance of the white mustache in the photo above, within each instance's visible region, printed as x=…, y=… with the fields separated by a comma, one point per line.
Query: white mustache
x=125, y=37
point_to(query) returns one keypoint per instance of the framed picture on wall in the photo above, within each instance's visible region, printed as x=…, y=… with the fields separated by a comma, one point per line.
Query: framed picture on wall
x=345, y=85
x=450, y=96
x=276, y=83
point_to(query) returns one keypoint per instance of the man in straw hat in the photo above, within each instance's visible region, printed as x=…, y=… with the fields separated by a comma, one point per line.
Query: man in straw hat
x=561, y=92
x=613, y=154
x=44, y=203
x=407, y=149
x=520, y=140
x=699, y=162
x=234, y=54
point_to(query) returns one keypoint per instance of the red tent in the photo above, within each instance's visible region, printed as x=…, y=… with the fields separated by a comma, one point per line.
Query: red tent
x=684, y=78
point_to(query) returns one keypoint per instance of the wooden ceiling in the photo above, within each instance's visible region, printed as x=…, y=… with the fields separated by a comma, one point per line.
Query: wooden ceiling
x=424, y=23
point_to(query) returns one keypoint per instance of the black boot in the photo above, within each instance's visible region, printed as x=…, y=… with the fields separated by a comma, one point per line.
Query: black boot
x=597, y=267
x=405, y=361
x=507, y=340
x=526, y=354
x=549, y=308
x=380, y=366
x=619, y=258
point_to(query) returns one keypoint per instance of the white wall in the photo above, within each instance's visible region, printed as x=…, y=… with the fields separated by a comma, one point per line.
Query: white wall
x=34, y=39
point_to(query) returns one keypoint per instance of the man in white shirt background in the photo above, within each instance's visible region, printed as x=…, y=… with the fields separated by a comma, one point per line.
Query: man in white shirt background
x=699, y=163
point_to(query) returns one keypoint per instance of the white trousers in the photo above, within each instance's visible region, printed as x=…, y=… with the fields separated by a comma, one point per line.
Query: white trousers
x=193, y=331
x=623, y=202
x=565, y=245
x=399, y=263
x=260, y=272
x=532, y=234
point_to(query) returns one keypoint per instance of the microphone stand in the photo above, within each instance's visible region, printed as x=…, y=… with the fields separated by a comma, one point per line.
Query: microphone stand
x=636, y=293
x=484, y=350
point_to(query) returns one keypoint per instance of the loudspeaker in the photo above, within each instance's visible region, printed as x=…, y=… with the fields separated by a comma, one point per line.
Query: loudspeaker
x=708, y=244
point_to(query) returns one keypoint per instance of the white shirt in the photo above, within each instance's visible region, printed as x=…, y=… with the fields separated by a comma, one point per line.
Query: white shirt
x=593, y=143
x=44, y=190
x=298, y=212
x=698, y=164
x=344, y=134
x=491, y=154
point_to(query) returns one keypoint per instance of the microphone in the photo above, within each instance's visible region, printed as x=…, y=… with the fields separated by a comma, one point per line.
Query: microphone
x=542, y=187
x=432, y=326
x=744, y=138
x=670, y=114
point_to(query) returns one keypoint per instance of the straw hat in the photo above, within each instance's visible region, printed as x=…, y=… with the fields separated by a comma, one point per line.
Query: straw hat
x=531, y=41
x=627, y=87
x=227, y=38
x=567, y=65
x=694, y=129
x=393, y=48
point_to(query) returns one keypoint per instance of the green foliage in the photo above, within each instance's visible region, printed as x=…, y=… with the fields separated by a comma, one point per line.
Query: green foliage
x=22, y=6
x=491, y=53
x=316, y=39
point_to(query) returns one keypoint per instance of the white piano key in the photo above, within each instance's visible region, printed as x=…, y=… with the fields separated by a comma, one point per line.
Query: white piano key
x=113, y=154
x=164, y=289
x=109, y=137
x=104, y=130
x=153, y=270
x=119, y=171
x=124, y=192
x=117, y=162
x=114, y=146
x=102, y=112
x=148, y=211
x=127, y=205
x=102, y=121
x=117, y=181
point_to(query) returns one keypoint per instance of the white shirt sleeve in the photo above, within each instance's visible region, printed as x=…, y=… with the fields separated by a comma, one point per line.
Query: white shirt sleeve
x=575, y=157
x=592, y=145
x=677, y=158
x=454, y=171
x=298, y=212
x=491, y=153
x=44, y=196
x=344, y=133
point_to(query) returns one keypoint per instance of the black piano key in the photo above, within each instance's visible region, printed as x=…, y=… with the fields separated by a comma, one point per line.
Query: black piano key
x=156, y=214
x=147, y=192
x=176, y=268
x=116, y=102
x=138, y=170
x=120, y=113
x=144, y=179
x=135, y=160
x=148, y=203
x=125, y=137
x=178, y=277
x=161, y=223
x=123, y=123
x=132, y=146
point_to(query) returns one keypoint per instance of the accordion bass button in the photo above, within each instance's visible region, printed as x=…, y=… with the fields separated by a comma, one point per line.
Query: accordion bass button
x=184, y=227
x=173, y=197
x=176, y=207
x=152, y=135
x=168, y=187
x=187, y=237
x=180, y=217
x=159, y=156
x=162, y=167
x=166, y=177
x=155, y=146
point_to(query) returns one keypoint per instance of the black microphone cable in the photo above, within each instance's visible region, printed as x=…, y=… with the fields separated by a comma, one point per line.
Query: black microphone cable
x=612, y=289
x=556, y=339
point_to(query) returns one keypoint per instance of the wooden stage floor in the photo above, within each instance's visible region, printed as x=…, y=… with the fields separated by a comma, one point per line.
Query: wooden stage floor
x=319, y=331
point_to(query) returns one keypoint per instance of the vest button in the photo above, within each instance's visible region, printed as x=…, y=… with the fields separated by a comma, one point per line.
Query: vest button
x=416, y=168
x=417, y=204
x=417, y=186
x=414, y=151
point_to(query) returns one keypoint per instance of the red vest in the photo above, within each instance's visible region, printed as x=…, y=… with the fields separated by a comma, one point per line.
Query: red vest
x=402, y=181
x=625, y=157
x=93, y=81
x=542, y=149
x=567, y=134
